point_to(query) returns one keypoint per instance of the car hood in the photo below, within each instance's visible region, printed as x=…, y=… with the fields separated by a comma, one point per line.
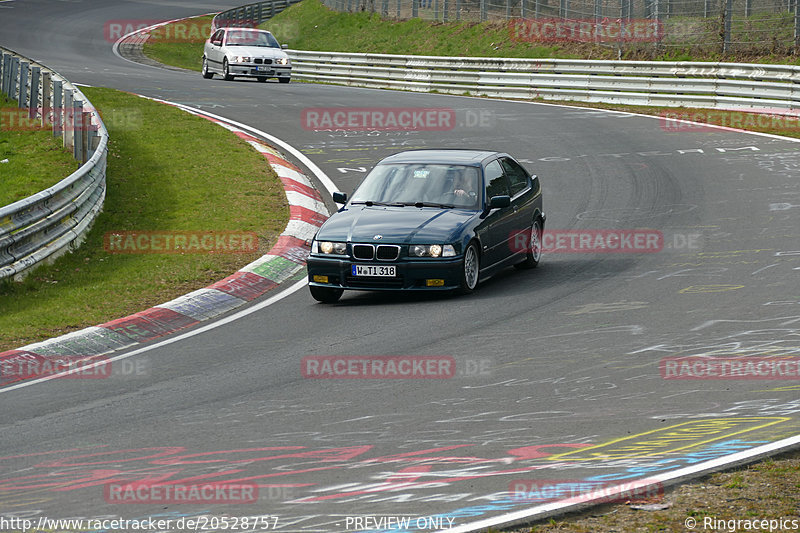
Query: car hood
x=396, y=225
x=256, y=51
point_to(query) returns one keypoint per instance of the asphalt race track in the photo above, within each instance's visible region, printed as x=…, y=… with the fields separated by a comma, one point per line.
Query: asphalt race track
x=558, y=368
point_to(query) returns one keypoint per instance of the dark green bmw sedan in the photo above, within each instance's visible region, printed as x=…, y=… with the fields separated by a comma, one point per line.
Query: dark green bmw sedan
x=433, y=220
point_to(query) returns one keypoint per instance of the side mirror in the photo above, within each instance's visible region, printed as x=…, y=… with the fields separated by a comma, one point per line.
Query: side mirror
x=498, y=202
x=340, y=197
x=285, y=46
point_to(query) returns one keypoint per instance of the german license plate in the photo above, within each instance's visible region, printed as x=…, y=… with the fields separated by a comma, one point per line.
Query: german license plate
x=376, y=271
x=264, y=69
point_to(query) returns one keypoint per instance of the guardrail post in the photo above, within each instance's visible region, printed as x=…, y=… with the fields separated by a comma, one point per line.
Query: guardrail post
x=77, y=129
x=483, y=10
x=706, y=8
x=414, y=8
x=86, y=134
x=12, y=82
x=58, y=110
x=46, y=99
x=4, y=82
x=67, y=121
x=748, y=8
x=563, y=9
x=33, y=106
x=458, y=9
x=22, y=97
x=385, y=8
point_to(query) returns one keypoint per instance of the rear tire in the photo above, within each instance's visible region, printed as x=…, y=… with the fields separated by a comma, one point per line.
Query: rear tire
x=226, y=70
x=470, y=269
x=534, y=252
x=326, y=295
x=207, y=74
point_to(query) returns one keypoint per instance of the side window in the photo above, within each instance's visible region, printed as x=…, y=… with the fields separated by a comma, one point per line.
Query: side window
x=496, y=181
x=517, y=176
x=217, y=37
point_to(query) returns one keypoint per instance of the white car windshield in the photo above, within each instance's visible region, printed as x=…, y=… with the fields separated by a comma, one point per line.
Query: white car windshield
x=437, y=185
x=251, y=38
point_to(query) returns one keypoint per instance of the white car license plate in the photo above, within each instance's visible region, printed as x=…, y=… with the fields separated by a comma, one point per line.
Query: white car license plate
x=264, y=69
x=378, y=271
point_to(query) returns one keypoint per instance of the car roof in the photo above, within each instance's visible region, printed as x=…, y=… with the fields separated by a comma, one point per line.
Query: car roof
x=242, y=28
x=453, y=156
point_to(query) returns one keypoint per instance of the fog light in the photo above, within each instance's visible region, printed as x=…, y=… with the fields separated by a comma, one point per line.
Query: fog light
x=434, y=282
x=321, y=279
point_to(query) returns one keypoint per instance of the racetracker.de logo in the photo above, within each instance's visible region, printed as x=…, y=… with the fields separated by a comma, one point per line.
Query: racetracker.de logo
x=202, y=493
x=584, y=241
x=581, y=490
x=182, y=31
x=375, y=367
x=64, y=366
x=586, y=30
x=180, y=242
x=704, y=119
x=378, y=118
x=725, y=368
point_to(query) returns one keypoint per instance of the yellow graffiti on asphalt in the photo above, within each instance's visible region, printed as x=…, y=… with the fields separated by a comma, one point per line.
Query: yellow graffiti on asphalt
x=670, y=439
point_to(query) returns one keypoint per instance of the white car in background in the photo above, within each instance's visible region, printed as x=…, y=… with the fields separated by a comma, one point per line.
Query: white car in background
x=245, y=52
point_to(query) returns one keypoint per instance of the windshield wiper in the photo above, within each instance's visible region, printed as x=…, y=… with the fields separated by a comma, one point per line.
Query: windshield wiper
x=431, y=204
x=370, y=203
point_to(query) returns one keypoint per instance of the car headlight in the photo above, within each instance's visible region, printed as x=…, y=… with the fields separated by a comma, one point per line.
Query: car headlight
x=241, y=59
x=282, y=61
x=432, y=250
x=329, y=248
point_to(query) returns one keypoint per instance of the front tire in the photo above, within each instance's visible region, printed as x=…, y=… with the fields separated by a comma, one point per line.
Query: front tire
x=262, y=79
x=284, y=80
x=534, y=252
x=470, y=268
x=226, y=73
x=326, y=295
x=207, y=74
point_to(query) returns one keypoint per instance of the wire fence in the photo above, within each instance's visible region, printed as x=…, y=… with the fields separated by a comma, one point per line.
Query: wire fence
x=751, y=26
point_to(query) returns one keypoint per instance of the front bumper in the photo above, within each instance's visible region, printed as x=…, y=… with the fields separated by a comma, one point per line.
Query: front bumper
x=411, y=274
x=258, y=71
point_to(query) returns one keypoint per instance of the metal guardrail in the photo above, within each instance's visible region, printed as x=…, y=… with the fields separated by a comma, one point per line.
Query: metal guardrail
x=55, y=220
x=688, y=84
x=250, y=14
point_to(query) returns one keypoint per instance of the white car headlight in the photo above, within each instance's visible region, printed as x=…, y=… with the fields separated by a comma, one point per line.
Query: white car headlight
x=329, y=248
x=240, y=59
x=282, y=61
x=432, y=250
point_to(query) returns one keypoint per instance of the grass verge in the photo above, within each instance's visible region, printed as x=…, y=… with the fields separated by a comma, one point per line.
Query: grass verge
x=36, y=159
x=764, y=491
x=167, y=171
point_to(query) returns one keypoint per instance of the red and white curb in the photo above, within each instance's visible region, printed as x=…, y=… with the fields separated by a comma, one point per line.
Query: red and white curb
x=283, y=262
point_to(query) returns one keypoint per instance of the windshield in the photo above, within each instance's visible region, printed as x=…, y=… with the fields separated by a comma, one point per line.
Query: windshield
x=252, y=38
x=410, y=184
